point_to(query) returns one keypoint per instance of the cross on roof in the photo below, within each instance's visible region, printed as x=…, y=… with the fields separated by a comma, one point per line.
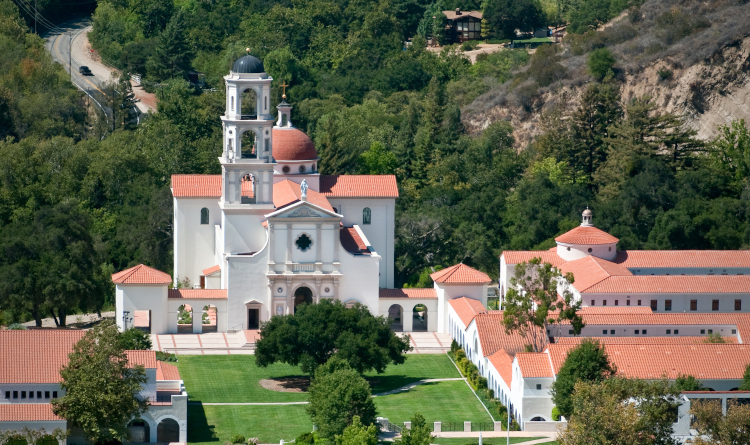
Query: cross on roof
x=284, y=86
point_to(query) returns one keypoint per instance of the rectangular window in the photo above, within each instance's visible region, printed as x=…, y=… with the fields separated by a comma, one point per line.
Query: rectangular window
x=676, y=332
x=46, y=394
x=617, y=302
x=592, y=303
x=693, y=305
x=669, y=331
x=636, y=332
x=628, y=303
x=38, y=394
x=31, y=394
x=604, y=302
x=715, y=305
x=538, y=386
x=612, y=332
x=703, y=331
x=734, y=331
x=639, y=302
x=15, y=394
x=644, y=332
x=667, y=305
x=710, y=331
x=7, y=394
x=653, y=305
x=54, y=394
x=604, y=332
x=737, y=305
x=570, y=332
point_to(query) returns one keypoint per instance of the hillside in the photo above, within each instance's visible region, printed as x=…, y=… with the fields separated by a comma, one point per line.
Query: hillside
x=702, y=51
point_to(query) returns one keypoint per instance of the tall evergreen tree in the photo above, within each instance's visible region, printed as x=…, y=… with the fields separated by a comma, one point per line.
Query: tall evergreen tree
x=172, y=56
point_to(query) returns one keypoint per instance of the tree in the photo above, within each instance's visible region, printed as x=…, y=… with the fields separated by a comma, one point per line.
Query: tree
x=418, y=434
x=508, y=15
x=601, y=63
x=532, y=302
x=715, y=428
x=171, y=57
x=745, y=386
x=101, y=387
x=688, y=383
x=358, y=434
x=623, y=412
x=377, y=161
x=337, y=394
x=316, y=332
x=588, y=362
x=732, y=151
x=135, y=339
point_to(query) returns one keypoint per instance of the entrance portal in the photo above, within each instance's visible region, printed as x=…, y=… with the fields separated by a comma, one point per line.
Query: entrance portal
x=253, y=319
x=302, y=295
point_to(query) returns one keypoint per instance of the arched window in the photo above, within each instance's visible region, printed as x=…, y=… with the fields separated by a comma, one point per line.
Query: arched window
x=204, y=215
x=301, y=168
x=366, y=215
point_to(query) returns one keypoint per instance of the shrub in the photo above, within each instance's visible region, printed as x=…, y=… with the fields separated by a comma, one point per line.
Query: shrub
x=135, y=339
x=601, y=62
x=469, y=45
x=664, y=74
x=305, y=439
x=460, y=354
x=555, y=414
x=253, y=441
x=165, y=356
x=16, y=327
x=238, y=438
x=455, y=347
x=482, y=57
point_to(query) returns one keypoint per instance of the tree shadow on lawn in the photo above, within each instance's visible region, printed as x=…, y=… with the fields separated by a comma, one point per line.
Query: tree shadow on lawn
x=198, y=428
x=390, y=382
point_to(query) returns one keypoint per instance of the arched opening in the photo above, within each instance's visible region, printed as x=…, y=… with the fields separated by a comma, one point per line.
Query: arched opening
x=303, y=295
x=538, y=419
x=248, y=144
x=248, y=104
x=395, y=313
x=209, y=318
x=366, y=215
x=204, y=215
x=168, y=431
x=419, y=324
x=142, y=320
x=185, y=319
x=47, y=440
x=248, y=189
x=140, y=432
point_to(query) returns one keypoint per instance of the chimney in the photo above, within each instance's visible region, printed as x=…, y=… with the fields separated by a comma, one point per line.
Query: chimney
x=458, y=11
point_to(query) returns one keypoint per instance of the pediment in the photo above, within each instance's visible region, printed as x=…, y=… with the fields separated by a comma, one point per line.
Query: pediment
x=303, y=209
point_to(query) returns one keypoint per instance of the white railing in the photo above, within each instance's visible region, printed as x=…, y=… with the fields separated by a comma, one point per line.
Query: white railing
x=304, y=267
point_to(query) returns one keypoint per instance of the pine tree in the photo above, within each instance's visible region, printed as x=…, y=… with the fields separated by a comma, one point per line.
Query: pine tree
x=171, y=57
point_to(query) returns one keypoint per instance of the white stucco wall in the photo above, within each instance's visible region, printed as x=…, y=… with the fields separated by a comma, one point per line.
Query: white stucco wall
x=151, y=297
x=447, y=292
x=194, y=243
x=680, y=302
x=407, y=306
x=570, y=252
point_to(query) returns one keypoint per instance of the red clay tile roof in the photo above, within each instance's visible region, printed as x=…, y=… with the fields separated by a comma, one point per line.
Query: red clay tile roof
x=503, y=364
x=419, y=293
x=684, y=258
x=492, y=335
x=35, y=356
x=591, y=270
x=586, y=235
x=359, y=186
x=703, y=361
x=519, y=256
x=534, y=364
x=466, y=308
x=145, y=358
x=203, y=186
x=460, y=274
x=669, y=284
x=166, y=371
x=211, y=270
x=610, y=310
x=214, y=294
x=287, y=192
x=352, y=242
x=663, y=340
x=27, y=412
x=291, y=144
x=141, y=274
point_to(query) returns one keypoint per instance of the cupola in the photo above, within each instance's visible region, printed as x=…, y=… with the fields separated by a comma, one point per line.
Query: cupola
x=586, y=240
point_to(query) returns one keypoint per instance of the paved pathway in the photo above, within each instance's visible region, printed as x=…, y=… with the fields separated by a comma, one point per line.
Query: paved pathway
x=215, y=343
x=429, y=342
x=72, y=320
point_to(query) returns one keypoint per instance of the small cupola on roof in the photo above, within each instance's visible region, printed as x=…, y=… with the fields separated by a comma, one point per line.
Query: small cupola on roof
x=586, y=240
x=293, y=150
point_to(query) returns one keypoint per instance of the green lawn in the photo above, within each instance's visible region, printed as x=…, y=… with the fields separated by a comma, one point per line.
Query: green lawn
x=440, y=401
x=228, y=378
x=485, y=441
x=216, y=424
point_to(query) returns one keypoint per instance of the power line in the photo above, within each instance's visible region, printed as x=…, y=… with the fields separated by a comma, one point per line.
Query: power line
x=38, y=17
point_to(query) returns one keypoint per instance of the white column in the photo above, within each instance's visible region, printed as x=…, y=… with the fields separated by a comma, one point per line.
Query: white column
x=408, y=319
x=197, y=317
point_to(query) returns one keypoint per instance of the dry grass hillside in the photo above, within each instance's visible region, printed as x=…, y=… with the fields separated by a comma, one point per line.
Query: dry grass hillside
x=691, y=57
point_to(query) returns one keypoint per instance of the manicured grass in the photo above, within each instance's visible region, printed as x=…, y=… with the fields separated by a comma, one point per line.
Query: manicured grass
x=534, y=40
x=216, y=424
x=447, y=402
x=485, y=441
x=227, y=378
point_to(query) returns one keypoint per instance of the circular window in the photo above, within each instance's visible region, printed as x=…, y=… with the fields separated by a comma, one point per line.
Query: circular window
x=590, y=250
x=303, y=242
x=230, y=131
x=301, y=168
x=328, y=289
x=285, y=169
x=280, y=290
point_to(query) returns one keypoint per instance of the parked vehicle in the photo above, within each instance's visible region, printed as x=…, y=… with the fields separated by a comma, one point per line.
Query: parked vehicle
x=84, y=70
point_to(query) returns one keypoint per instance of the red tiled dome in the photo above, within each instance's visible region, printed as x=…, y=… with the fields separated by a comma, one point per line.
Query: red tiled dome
x=290, y=144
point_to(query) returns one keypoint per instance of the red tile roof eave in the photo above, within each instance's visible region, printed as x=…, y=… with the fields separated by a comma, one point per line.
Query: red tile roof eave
x=197, y=294
x=28, y=412
x=409, y=293
x=466, y=309
x=359, y=186
x=460, y=274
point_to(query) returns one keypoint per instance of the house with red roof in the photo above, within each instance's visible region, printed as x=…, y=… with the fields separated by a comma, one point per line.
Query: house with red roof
x=666, y=281
x=30, y=363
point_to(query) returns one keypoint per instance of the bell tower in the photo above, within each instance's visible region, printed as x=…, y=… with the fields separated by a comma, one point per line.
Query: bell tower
x=247, y=157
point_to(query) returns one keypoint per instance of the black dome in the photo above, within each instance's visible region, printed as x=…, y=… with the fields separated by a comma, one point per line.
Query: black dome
x=248, y=65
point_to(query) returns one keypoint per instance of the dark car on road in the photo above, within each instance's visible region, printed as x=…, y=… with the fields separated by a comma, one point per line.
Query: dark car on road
x=84, y=70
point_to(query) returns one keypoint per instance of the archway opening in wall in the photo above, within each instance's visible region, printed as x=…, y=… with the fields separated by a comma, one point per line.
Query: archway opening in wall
x=419, y=315
x=142, y=321
x=185, y=319
x=247, y=189
x=303, y=295
x=209, y=318
x=396, y=315
x=538, y=419
x=139, y=432
x=168, y=431
x=248, y=143
x=249, y=104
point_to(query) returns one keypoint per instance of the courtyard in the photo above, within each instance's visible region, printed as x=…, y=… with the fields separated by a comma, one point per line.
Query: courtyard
x=229, y=396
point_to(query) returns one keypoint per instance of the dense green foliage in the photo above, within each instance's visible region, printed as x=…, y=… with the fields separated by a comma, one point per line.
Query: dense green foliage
x=100, y=387
x=338, y=394
x=745, y=386
x=586, y=363
x=358, y=434
x=717, y=428
x=688, y=383
x=317, y=332
x=419, y=434
x=135, y=339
